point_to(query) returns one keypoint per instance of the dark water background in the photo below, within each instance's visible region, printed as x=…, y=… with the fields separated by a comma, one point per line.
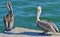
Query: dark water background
x=25, y=12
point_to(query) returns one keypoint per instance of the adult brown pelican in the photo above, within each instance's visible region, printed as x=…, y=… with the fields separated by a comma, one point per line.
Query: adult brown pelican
x=9, y=18
x=46, y=25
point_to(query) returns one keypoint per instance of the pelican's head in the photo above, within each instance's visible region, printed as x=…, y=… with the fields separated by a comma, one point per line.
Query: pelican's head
x=39, y=9
x=9, y=5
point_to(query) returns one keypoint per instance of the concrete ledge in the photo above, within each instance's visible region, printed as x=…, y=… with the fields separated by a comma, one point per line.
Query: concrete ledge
x=23, y=32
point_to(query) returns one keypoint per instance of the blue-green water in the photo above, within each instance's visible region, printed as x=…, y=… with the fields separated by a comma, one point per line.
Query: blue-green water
x=25, y=12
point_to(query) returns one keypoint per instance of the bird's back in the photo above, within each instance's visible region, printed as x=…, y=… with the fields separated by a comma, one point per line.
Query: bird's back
x=46, y=25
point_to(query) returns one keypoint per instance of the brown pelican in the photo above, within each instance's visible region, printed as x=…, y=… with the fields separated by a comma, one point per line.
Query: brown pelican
x=46, y=25
x=9, y=18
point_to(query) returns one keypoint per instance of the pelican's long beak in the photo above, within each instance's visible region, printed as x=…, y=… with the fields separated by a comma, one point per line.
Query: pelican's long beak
x=9, y=6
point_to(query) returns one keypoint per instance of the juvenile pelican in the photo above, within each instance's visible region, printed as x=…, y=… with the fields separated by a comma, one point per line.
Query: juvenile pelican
x=9, y=18
x=46, y=25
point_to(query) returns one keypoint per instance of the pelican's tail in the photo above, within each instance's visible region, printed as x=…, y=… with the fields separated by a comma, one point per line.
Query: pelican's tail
x=55, y=27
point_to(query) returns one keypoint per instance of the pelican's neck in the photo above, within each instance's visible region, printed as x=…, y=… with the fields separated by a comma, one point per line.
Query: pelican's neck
x=38, y=13
x=9, y=8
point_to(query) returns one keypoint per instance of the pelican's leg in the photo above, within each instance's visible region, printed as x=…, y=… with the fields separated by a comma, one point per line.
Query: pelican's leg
x=11, y=22
x=6, y=28
x=11, y=26
x=45, y=31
